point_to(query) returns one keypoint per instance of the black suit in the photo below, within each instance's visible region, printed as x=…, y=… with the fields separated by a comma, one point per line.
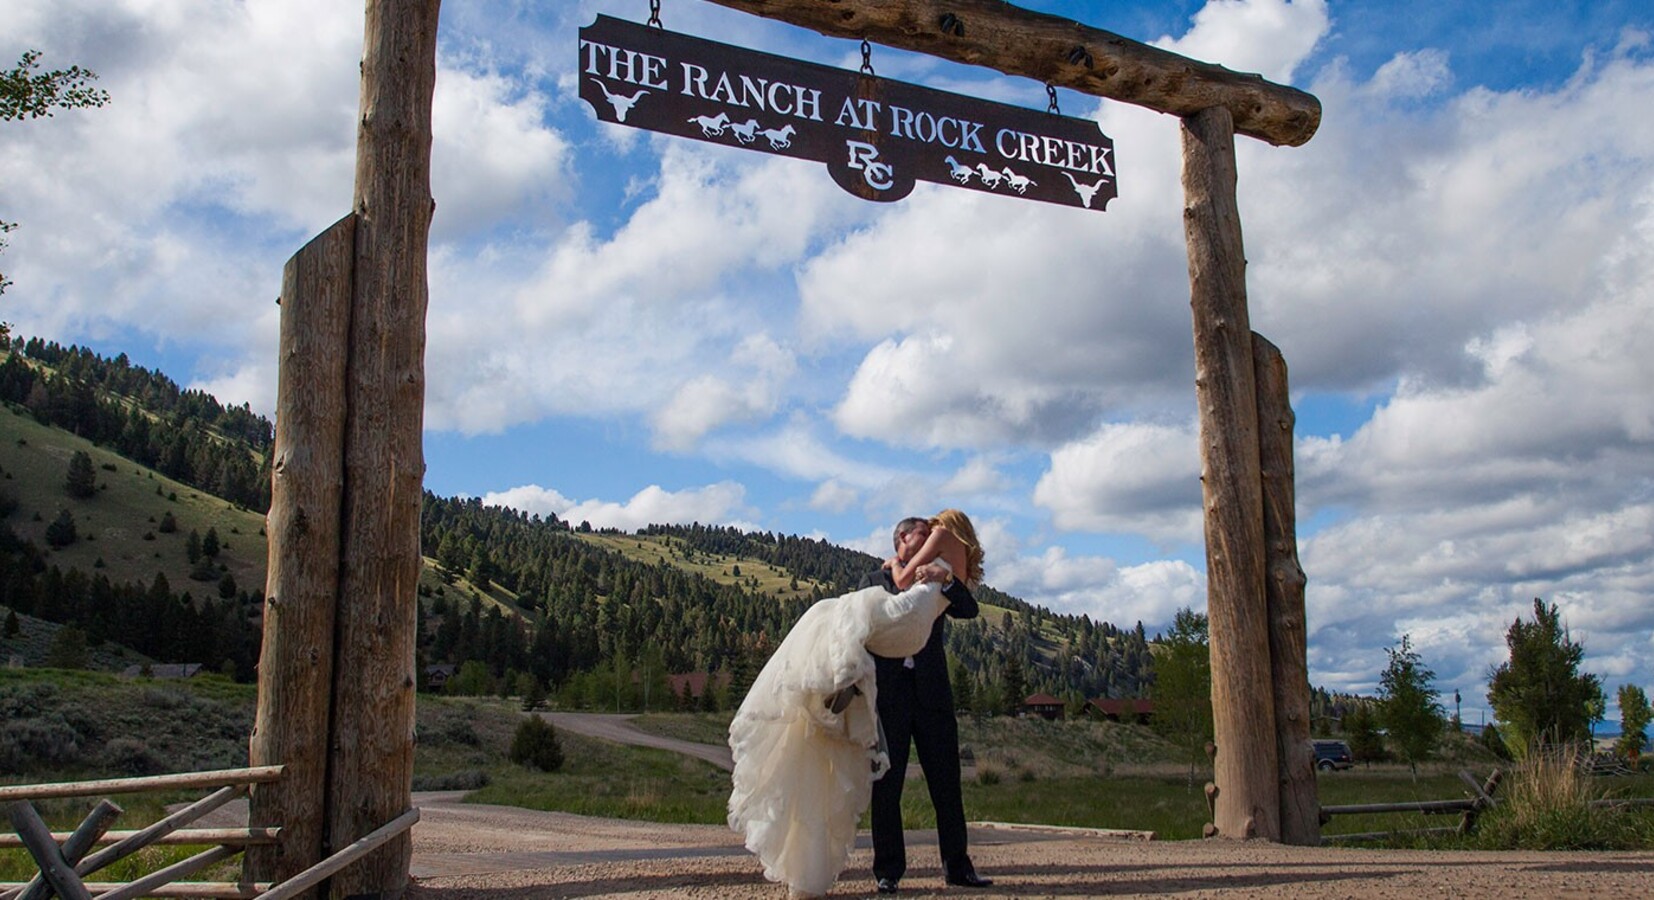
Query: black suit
x=916, y=703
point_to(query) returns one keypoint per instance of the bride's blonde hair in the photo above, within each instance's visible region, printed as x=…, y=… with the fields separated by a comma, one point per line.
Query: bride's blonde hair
x=959, y=524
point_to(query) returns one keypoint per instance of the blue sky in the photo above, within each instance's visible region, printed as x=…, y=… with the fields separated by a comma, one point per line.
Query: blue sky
x=631, y=328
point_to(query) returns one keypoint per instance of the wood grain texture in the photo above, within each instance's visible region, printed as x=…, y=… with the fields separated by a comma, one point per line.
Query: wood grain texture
x=1284, y=589
x=1243, y=709
x=295, y=672
x=1061, y=51
x=371, y=767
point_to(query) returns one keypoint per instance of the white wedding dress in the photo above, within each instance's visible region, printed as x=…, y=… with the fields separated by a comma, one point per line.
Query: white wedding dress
x=804, y=774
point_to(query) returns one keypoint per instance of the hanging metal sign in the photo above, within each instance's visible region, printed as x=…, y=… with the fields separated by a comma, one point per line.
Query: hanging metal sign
x=878, y=137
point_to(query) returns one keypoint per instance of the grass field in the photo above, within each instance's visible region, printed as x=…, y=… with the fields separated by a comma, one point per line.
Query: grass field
x=119, y=526
x=1105, y=775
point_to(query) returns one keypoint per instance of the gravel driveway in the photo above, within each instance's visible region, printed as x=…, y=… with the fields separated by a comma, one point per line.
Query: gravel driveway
x=472, y=852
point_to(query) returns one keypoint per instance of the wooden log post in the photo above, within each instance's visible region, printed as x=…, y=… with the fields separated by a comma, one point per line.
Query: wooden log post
x=1243, y=708
x=54, y=869
x=1284, y=587
x=75, y=848
x=301, y=592
x=1061, y=51
x=371, y=752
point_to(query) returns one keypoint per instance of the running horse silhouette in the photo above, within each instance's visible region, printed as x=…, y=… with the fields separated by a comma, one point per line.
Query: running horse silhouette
x=989, y=176
x=620, y=102
x=746, y=132
x=1020, y=183
x=1086, y=191
x=711, y=126
x=779, y=139
x=960, y=173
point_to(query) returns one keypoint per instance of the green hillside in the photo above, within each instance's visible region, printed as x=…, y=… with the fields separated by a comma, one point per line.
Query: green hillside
x=120, y=526
x=522, y=596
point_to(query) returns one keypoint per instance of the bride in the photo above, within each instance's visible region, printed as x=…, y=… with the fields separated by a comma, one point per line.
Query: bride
x=806, y=739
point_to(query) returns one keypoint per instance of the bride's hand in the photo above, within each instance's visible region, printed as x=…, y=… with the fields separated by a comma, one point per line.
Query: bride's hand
x=933, y=572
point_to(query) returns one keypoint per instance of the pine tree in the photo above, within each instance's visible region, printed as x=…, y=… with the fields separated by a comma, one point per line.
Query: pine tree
x=1016, y=687
x=1634, y=718
x=61, y=533
x=964, y=691
x=82, y=481
x=210, y=544
x=1359, y=726
x=1540, y=695
x=12, y=627
x=68, y=650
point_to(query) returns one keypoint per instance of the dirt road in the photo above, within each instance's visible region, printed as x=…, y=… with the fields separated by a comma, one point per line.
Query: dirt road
x=618, y=727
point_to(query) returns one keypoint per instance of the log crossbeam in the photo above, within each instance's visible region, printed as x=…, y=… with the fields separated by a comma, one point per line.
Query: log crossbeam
x=1061, y=52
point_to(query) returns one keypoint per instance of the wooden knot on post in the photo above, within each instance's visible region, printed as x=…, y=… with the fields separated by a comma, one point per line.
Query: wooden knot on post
x=950, y=24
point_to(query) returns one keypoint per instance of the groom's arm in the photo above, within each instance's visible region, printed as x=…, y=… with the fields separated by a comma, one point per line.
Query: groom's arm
x=961, y=603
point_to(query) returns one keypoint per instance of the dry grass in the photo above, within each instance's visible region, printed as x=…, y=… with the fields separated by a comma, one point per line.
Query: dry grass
x=1548, y=805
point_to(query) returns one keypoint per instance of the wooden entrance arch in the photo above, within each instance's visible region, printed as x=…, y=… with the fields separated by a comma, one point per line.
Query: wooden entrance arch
x=336, y=677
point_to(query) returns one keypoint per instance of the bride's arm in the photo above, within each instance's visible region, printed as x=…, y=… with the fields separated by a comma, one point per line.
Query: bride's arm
x=935, y=546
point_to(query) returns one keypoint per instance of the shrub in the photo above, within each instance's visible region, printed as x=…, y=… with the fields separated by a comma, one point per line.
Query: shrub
x=535, y=745
x=38, y=743
x=464, y=780
x=130, y=756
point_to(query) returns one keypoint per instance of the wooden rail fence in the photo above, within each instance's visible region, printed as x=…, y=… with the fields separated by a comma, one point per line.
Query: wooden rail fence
x=1468, y=808
x=66, y=858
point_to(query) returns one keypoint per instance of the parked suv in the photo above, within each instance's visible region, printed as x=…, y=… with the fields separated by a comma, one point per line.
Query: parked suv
x=1330, y=755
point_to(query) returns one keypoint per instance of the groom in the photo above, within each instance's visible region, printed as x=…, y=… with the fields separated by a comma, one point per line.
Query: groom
x=916, y=705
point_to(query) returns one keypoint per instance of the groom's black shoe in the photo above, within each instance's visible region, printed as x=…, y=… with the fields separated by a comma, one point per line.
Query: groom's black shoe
x=888, y=886
x=963, y=874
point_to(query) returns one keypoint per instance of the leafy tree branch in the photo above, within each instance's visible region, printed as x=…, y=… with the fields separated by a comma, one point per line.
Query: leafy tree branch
x=26, y=95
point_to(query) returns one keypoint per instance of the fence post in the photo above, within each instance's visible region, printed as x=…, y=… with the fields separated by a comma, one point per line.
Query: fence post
x=301, y=593
x=1288, y=638
x=1243, y=709
x=371, y=745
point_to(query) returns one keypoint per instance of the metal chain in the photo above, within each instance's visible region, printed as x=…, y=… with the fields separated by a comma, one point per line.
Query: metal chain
x=1051, y=96
x=654, y=13
x=866, y=57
